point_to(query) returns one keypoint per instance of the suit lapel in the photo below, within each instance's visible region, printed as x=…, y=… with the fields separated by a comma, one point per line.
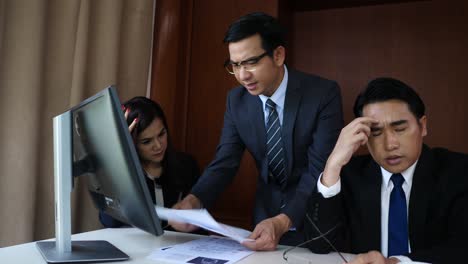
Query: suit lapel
x=371, y=217
x=255, y=110
x=291, y=104
x=421, y=191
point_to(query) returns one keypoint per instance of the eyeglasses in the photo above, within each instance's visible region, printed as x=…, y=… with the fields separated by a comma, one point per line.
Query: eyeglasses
x=248, y=64
x=321, y=235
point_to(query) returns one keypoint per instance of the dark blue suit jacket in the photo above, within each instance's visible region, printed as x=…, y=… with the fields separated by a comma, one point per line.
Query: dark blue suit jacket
x=312, y=120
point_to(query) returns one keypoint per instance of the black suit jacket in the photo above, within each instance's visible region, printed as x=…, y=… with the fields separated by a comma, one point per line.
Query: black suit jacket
x=312, y=120
x=437, y=213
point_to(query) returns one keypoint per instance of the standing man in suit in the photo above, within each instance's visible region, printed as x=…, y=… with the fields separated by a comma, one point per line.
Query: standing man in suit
x=289, y=122
x=406, y=200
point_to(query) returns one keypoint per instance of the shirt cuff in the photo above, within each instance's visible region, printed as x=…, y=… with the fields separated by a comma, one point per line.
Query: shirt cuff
x=402, y=259
x=331, y=191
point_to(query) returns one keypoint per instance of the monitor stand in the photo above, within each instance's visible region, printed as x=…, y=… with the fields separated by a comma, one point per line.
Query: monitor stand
x=63, y=250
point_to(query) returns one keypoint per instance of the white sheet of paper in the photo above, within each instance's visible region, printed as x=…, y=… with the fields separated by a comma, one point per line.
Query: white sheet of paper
x=205, y=250
x=203, y=219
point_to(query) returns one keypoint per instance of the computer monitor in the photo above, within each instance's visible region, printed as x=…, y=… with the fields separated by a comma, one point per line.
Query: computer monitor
x=92, y=140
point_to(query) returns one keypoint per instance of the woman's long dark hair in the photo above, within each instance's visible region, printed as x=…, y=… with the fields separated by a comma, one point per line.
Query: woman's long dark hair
x=180, y=171
x=147, y=110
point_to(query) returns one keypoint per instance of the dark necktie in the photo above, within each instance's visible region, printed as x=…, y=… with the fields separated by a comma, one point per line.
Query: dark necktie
x=275, y=151
x=397, y=219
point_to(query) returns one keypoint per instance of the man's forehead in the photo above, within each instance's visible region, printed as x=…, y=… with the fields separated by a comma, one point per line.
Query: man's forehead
x=245, y=49
x=386, y=108
x=387, y=112
x=391, y=123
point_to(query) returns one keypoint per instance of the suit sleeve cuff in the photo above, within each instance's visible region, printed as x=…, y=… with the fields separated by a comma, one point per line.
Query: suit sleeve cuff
x=328, y=192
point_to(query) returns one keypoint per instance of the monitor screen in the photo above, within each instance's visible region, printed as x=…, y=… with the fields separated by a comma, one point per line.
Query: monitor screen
x=104, y=152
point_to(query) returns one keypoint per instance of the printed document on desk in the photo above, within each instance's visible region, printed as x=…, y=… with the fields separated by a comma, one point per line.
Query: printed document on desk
x=206, y=250
x=203, y=219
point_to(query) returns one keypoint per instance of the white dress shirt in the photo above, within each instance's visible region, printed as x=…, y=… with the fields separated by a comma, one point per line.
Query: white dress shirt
x=386, y=189
x=158, y=190
x=277, y=97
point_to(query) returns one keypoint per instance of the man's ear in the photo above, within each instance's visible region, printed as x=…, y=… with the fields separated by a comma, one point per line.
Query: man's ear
x=279, y=55
x=423, y=124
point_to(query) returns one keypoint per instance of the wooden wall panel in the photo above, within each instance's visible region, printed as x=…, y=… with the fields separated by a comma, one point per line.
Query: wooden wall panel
x=422, y=43
x=189, y=81
x=170, y=67
x=209, y=85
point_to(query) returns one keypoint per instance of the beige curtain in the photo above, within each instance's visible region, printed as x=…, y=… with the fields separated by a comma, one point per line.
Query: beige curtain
x=53, y=54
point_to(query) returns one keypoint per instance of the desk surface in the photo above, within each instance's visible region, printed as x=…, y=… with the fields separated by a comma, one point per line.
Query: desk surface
x=139, y=244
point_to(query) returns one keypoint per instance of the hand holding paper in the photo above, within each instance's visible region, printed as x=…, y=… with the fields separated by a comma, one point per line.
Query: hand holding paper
x=189, y=202
x=203, y=219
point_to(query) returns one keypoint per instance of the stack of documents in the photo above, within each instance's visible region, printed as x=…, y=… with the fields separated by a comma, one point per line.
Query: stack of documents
x=203, y=219
x=207, y=250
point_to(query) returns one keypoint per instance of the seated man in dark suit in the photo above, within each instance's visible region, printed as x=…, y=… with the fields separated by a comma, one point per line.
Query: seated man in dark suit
x=406, y=200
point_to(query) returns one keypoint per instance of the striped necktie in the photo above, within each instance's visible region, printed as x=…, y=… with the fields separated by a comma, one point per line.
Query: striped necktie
x=275, y=149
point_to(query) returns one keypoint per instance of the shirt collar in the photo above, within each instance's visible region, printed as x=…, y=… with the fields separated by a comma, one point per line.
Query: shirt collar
x=279, y=95
x=407, y=175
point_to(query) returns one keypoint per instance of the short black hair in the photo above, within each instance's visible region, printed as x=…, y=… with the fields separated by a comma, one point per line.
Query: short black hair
x=384, y=89
x=270, y=30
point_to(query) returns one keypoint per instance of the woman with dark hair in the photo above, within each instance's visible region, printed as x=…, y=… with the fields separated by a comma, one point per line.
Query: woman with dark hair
x=169, y=174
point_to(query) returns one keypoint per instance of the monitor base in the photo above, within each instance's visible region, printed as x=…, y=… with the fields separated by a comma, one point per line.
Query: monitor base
x=82, y=252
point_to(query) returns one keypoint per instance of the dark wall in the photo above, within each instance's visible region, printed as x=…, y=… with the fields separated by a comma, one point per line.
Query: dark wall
x=209, y=85
x=191, y=84
x=423, y=43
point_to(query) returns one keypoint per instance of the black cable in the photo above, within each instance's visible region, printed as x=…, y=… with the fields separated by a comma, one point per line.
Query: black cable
x=321, y=235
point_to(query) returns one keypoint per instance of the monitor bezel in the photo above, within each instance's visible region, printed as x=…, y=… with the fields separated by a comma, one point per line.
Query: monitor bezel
x=130, y=148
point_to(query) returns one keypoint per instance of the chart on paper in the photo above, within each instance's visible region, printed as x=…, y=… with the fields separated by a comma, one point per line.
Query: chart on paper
x=207, y=250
